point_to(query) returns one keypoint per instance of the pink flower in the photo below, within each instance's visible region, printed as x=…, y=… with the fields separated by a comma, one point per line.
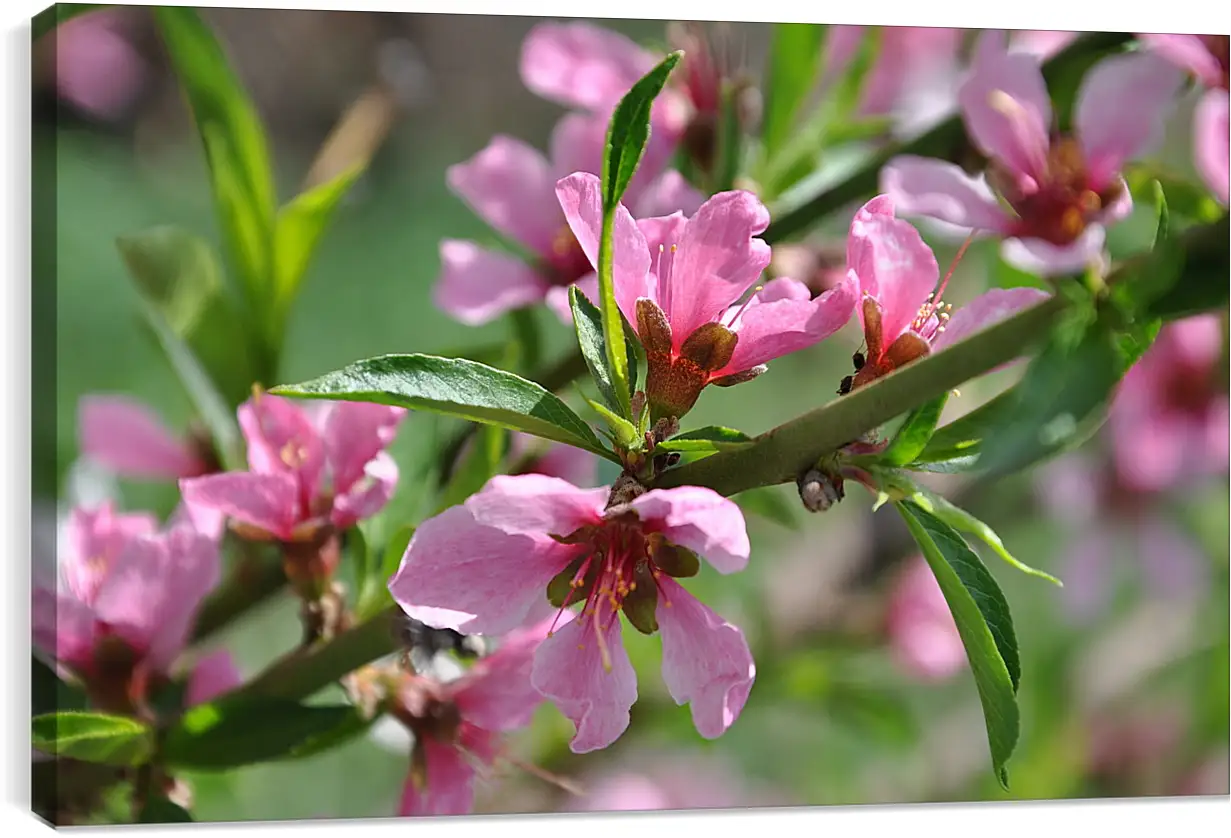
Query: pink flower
x=305, y=470
x=656, y=781
x=571, y=464
x=907, y=56
x=1041, y=43
x=458, y=726
x=1169, y=421
x=98, y=69
x=512, y=187
x=922, y=634
x=1208, y=57
x=1061, y=190
x=528, y=543
x=214, y=675
x=127, y=596
x=901, y=310
x=679, y=280
x=126, y=437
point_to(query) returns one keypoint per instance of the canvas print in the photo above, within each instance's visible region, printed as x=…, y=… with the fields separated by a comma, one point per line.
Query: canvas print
x=444, y=415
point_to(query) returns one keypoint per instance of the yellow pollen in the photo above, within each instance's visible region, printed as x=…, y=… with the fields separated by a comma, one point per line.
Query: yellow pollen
x=1003, y=103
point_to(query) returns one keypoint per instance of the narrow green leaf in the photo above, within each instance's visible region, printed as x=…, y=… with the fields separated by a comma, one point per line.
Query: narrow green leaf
x=58, y=13
x=624, y=431
x=715, y=433
x=794, y=61
x=243, y=729
x=983, y=622
x=960, y=519
x=352, y=725
x=395, y=550
x=588, y=323
x=93, y=737
x=912, y=437
x=298, y=230
x=707, y=440
x=455, y=387
x=235, y=146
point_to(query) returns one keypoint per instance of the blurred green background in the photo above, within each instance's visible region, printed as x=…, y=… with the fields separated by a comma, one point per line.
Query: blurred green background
x=831, y=719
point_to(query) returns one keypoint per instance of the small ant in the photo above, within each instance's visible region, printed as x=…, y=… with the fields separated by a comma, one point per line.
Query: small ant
x=858, y=360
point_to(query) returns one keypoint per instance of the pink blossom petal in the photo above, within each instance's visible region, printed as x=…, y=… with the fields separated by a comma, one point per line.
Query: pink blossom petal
x=893, y=266
x=706, y=660
x=1152, y=458
x=580, y=197
x=1007, y=108
x=128, y=438
x=662, y=236
x=577, y=144
x=93, y=540
x=581, y=65
x=208, y=522
x=535, y=505
x=922, y=634
x=354, y=433
x=268, y=501
x=569, y=670
x=98, y=68
x=1043, y=258
x=450, y=784
x=701, y=520
x=1173, y=566
x=775, y=327
x=1041, y=43
x=555, y=460
x=282, y=439
x=907, y=52
x=459, y=574
x=1186, y=52
x=558, y=302
x=477, y=285
x=214, y=675
x=718, y=259
x=986, y=310
x=62, y=627
x=509, y=184
x=496, y=693
x=369, y=495
x=669, y=192
x=939, y=189
x=1086, y=568
x=1212, y=149
x=1111, y=134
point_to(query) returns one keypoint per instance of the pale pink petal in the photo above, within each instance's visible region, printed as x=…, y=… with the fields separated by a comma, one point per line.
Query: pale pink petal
x=662, y=236
x=893, y=266
x=268, y=501
x=569, y=669
x=859, y=238
x=625, y=793
x=558, y=301
x=128, y=438
x=1041, y=43
x=1186, y=52
x=580, y=196
x=459, y=574
x=450, y=784
x=906, y=54
x=930, y=651
x=1121, y=206
x=939, y=189
x=282, y=438
x=496, y=693
x=62, y=627
x=669, y=192
x=354, y=433
x=536, y=505
x=706, y=660
x=369, y=495
x=1212, y=148
x=1068, y=488
x=477, y=285
x=1151, y=458
x=577, y=144
x=208, y=522
x=922, y=635
x=1112, y=134
x=775, y=327
x=719, y=258
x=509, y=184
x=570, y=464
x=1086, y=568
x=97, y=67
x=1173, y=566
x=1007, y=109
x=988, y=308
x=581, y=65
x=701, y=520
x=214, y=675
x=1046, y=259
x=94, y=537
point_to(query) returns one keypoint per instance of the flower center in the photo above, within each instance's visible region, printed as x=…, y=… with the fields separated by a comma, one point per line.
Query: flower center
x=1063, y=203
x=1220, y=47
x=567, y=261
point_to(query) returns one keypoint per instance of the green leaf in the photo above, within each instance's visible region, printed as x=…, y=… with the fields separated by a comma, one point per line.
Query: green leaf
x=455, y=387
x=93, y=737
x=395, y=550
x=960, y=519
x=770, y=503
x=49, y=694
x=912, y=437
x=627, y=135
x=205, y=397
x=478, y=466
x=794, y=60
x=707, y=440
x=982, y=617
x=588, y=323
x=58, y=13
x=352, y=725
x=235, y=147
x=243, y=729
x=623, y=431
x=158, y=809
x=298, y=230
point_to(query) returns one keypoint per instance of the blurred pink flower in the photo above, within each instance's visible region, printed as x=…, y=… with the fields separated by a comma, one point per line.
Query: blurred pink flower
x=306, y=469
x=554, y=460
x=512, y=187
x=458, y=725
x=124, y=436
x=98, y=69
x=922, y=634
x=529, y=543
x=908, y=55
x=900, y=304
x=1208, y=57
x=658, y=781
x=1169, y=422
x=1041, y=43
x=214, y=675
x=1062, y=190
x=679, y=280
x=127, y=596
